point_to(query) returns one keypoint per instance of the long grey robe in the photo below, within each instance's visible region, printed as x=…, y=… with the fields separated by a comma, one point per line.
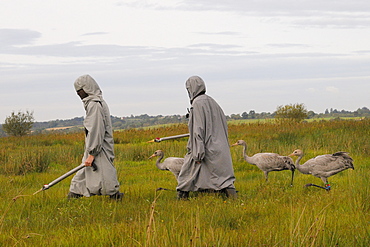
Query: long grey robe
x=98, y=142
x=208, y=143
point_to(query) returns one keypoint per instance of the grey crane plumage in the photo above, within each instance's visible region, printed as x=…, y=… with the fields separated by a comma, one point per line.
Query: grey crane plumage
x=172, y=164
x=268, y=162
x=324, y=166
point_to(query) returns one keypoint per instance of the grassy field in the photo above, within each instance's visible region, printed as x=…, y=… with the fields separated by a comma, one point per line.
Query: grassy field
x=264, y=214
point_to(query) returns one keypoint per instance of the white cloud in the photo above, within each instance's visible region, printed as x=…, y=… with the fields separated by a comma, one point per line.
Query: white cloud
x=332, y=89
x=13, y=37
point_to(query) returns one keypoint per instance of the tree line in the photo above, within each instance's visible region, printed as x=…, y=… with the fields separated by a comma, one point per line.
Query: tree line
x=360, y=112
x=22, y=123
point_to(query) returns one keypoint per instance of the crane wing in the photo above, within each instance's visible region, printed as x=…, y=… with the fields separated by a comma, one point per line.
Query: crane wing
x=174, y=164
x=263, y=159
x=329, y=162
x=320, y=161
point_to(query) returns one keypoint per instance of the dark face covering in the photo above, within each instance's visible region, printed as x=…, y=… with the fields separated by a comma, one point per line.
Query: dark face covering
x=82, y=93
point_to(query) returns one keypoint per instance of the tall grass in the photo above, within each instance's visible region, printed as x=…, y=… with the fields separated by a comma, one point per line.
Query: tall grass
x=265, y=214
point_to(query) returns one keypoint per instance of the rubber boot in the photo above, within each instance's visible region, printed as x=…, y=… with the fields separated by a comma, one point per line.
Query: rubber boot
x=182, y=195
x=117, y=196
x=231, y=193
x=72, y=195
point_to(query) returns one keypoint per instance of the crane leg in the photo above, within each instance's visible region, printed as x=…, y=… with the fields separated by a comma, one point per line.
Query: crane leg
x=327, y=185
x=291, y=182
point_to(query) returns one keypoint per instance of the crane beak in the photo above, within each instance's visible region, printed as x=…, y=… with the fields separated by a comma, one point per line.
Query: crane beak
x=156, y=140
x=153, y=155
x=235, y=144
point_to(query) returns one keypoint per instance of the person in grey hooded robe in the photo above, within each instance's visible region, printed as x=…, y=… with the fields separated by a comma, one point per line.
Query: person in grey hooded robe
x=99, y=177
x=208, y=164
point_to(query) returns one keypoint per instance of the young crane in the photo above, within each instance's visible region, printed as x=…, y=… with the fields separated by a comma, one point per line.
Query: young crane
x=172, y=164
x=323, y=166
x=268, y=162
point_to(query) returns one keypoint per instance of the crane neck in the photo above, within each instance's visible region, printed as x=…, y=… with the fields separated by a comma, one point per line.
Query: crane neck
x=159, y=164
x=303, y=169
x=298, y=160
x=245, y=155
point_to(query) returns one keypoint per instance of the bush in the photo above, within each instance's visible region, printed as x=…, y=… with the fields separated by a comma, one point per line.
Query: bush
x=291, y=113
x=18, y=124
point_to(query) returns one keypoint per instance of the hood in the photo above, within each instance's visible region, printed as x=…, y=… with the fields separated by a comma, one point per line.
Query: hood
x=195, y=86
x=89, y=85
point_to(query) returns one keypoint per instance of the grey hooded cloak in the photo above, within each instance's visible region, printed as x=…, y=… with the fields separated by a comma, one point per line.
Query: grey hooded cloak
x=98, y=142
x=208, y=144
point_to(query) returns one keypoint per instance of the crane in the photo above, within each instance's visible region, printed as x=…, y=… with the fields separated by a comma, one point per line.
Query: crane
x=323, y=166
x=267, y=162
x=172, y=164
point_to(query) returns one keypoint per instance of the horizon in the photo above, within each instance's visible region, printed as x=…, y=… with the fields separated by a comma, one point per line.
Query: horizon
x=82, y=116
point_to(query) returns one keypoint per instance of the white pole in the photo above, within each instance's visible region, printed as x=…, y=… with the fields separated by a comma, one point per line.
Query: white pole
x=169, y=138
x=47, y=186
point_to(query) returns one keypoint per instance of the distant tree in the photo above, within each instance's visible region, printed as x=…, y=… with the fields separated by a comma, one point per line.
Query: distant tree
x=18, y=124
x=311, y=114
x=244, y=115
x=291, y=113
x=363, y=110
x=53, y=124
x=264, y=115
x=252, y=114
x=235, y=116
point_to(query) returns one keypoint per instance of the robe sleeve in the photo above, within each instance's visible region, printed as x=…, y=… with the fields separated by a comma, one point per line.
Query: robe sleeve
x=199, y=132
x=94, y=124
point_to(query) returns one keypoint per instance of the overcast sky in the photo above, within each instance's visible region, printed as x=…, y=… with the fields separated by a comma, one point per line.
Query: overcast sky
x=252, y=55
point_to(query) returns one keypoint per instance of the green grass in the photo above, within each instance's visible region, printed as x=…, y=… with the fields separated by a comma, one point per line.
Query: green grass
x=264, y=214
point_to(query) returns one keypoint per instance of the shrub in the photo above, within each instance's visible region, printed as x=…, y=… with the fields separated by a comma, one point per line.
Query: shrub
x=18, y=124
x=291, y=113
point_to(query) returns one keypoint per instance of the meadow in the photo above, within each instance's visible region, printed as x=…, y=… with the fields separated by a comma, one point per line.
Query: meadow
x=265, y=213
